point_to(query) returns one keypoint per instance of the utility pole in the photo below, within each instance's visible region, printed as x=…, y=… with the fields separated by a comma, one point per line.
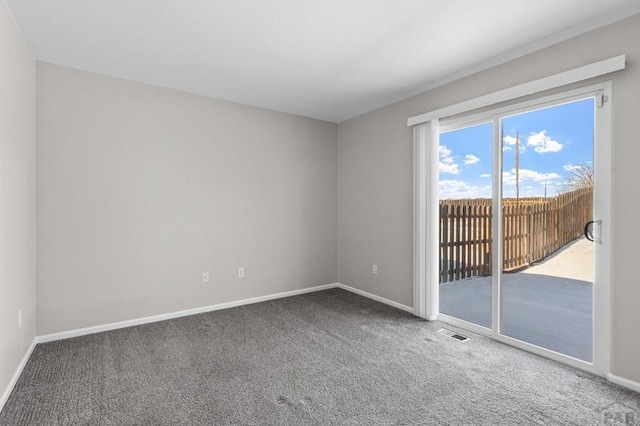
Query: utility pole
x=517, y=165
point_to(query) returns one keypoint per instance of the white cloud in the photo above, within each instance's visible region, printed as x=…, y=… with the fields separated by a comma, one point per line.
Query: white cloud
x=509, y=178
x=485, y=175
x=471, y=159
x=460, y=189
x=527, y=174
x=447, y=163
x=529, y=191
x=571, y=167
x=510, y=142
x=542, y=143
x=453, y=169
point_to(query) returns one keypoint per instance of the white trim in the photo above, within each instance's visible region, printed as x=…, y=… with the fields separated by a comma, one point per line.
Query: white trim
x=536, y=86
x=162, y=317
x=376, y=298
x=464, y=325
x=16, y=374
x=603, y=187
x=629, y=384
x=496, y=226
x=548, y=353
x=486, y=117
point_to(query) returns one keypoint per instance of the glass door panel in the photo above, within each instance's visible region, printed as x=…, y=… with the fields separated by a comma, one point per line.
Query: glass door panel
x=546, y=283
x=465, y=188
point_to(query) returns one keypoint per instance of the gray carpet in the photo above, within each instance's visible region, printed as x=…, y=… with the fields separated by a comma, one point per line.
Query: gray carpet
x=329, y=357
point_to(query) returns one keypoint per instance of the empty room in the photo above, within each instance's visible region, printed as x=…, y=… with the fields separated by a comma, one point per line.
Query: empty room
x=289, y=212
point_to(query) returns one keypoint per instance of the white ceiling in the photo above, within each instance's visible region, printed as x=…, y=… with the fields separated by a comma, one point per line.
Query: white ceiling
x=326, y=59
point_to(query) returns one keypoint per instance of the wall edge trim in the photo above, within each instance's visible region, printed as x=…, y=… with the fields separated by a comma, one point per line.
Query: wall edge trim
x=629, y=384
x=375, y=297
x=176, y=314
x=16, y=375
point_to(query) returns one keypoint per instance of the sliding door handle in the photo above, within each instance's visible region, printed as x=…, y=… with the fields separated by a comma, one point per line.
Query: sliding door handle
x=593, y=231
x=588, y=230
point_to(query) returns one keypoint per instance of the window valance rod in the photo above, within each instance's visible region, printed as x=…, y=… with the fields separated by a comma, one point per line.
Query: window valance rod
x=556, y=80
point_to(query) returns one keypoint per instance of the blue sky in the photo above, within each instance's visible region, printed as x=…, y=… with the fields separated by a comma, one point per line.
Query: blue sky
x=551, y=141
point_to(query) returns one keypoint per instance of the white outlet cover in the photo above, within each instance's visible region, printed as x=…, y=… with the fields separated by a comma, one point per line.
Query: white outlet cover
x=240, y=272
x=205, y=277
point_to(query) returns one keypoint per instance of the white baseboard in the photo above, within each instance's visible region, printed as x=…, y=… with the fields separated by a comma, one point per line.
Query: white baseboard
x=162, y=317
x=16, y=375
x=629, y=384
x=171, y=315
x=155, y=318
x=376, y=298
x=465, y=325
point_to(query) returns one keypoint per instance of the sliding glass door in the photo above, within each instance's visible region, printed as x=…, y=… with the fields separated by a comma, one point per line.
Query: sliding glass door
x=520, y=253
x=546, y=295
x=465, y=191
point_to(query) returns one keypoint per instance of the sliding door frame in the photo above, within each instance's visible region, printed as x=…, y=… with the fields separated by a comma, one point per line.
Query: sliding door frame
x=602, y=202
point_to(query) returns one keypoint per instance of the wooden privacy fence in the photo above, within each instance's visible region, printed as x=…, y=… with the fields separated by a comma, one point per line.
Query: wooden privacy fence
x=533, y=228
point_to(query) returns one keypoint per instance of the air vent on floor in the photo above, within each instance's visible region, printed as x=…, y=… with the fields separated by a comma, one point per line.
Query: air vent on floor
x=453, y=334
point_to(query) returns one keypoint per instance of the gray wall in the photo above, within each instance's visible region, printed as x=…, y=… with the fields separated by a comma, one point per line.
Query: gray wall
x=17, y=196
x=141, y=189
x=375, y=179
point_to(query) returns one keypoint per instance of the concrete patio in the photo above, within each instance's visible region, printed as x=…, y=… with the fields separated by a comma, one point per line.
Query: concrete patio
x=549, y=304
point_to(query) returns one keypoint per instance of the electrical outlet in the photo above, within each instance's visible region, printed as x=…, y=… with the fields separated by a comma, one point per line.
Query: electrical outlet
x=205, y=277
x=240, y=272
x=374, y=270
x=20, y=318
